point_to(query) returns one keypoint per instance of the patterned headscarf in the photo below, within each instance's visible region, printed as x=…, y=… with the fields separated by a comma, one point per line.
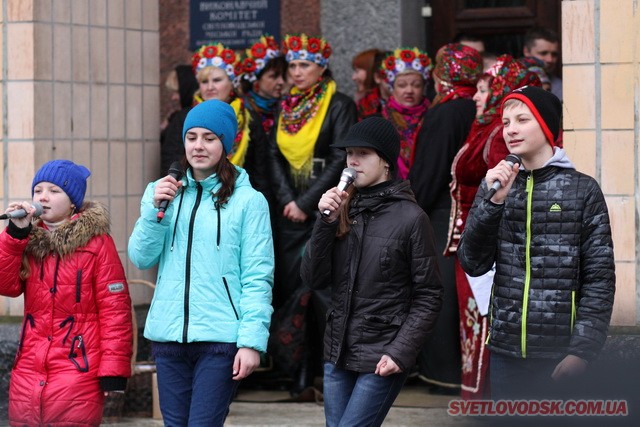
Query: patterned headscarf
x=457, y=70
x=537, y=66
x=506, y=75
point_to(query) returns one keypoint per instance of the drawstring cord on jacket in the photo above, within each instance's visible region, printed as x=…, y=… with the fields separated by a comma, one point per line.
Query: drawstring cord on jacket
x=175, y=224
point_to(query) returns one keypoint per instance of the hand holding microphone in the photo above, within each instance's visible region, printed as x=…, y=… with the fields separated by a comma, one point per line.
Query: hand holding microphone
x=346, y=179
x=20, y=215
x=506, y=174
x=167, y=194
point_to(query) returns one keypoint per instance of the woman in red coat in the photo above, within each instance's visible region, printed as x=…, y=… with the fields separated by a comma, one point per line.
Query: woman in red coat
x=76, y=340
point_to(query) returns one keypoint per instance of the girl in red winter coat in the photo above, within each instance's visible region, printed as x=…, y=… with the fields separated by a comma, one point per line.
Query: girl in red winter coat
x=76, y=340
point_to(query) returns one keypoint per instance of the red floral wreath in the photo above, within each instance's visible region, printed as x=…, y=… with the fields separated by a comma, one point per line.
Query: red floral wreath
x=326, y=52
x=210, y=52
x=258, y=50
x=407, y=56
x=196, y=60
x=228, y=56
x=390, y=62
x=295, y=44
x=249, y=65
x=314, y=45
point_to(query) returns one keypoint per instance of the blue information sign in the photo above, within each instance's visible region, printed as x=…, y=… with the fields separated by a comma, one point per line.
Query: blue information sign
x=235, y=24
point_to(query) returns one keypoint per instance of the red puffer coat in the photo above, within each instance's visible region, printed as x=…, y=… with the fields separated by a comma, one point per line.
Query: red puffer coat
x=77, y=329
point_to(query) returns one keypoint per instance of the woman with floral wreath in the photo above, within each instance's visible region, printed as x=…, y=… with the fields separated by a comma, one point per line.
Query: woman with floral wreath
x=261, y=84
x=303, y=165
x=407, y=74
x=447, y=123
x=217, y=69
x=483, y=149
x=374, y=99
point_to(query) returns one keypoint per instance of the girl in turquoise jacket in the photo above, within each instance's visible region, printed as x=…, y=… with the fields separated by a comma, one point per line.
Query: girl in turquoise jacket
x=211, y=309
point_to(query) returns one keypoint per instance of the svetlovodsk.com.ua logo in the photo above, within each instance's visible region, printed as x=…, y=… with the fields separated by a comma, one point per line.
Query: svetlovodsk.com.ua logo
x=538, y=407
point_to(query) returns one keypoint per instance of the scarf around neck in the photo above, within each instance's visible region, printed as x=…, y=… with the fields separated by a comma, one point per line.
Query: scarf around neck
x=241, y=142
x=265, y=107
x=299, y=126
x=407, y=121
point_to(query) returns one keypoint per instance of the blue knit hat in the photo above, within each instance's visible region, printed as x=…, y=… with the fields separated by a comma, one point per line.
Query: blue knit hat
x=218, y=117
x=71, y=178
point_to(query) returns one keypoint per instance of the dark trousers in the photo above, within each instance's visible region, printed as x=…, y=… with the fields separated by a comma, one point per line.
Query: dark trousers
x=195, y=391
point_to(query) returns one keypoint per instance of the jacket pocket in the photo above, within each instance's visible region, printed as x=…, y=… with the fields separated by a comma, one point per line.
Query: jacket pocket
x=226, y=287
x=28, y=320
x=78, y=354
x=78, y=285
x=380, y=329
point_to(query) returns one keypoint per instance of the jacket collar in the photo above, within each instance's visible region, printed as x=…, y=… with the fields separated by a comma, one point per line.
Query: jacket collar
x=92, y=220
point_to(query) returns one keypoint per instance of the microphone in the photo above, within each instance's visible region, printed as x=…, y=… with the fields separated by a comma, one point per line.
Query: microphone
x=21, y=213
x=175, y=170
x=346, y=179
x=511, y=160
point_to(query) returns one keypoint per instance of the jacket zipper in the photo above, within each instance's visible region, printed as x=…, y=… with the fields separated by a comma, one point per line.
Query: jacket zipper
x=349, y=297
x=78, y=284
x=573, y=309
x=187, y=273
x=490, y=316
x=226, y=286
x=55, y=276
x=527, y=274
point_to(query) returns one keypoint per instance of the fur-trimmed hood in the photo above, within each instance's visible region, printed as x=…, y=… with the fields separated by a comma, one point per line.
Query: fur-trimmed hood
x=91, y=221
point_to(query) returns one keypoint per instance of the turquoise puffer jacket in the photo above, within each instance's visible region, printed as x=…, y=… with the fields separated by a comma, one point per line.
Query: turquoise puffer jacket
x=215, y=271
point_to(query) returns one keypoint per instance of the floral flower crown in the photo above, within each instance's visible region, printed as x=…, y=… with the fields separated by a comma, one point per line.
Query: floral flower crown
x=403, y=60
x=256, y=57
x=301, y=46
x=217, y=55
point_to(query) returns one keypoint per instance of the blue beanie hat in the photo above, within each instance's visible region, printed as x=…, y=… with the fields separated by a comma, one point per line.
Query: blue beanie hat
x=218, y=117
x=71, y=178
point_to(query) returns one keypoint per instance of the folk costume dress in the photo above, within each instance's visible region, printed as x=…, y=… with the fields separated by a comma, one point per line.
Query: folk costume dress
x=483, y=149
x=447, y=124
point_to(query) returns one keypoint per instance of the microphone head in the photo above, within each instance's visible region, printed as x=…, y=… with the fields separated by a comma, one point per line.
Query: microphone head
x=176, y=170
x=349, y=174
x=513, y=159
x=38, y=207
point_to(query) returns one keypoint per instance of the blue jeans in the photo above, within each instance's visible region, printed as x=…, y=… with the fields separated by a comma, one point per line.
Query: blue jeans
x=358, y=399
x=195, y=390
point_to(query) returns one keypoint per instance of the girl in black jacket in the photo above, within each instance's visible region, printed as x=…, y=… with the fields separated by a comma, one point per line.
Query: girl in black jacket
x=376, y=252
x=302, y=166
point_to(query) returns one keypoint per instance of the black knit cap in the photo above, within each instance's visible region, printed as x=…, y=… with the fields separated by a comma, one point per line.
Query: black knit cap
x=545, y=106
x=377, y=133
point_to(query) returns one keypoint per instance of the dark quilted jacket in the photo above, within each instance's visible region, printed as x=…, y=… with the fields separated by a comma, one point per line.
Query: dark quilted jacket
x=555, y=277
x=385, y=283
